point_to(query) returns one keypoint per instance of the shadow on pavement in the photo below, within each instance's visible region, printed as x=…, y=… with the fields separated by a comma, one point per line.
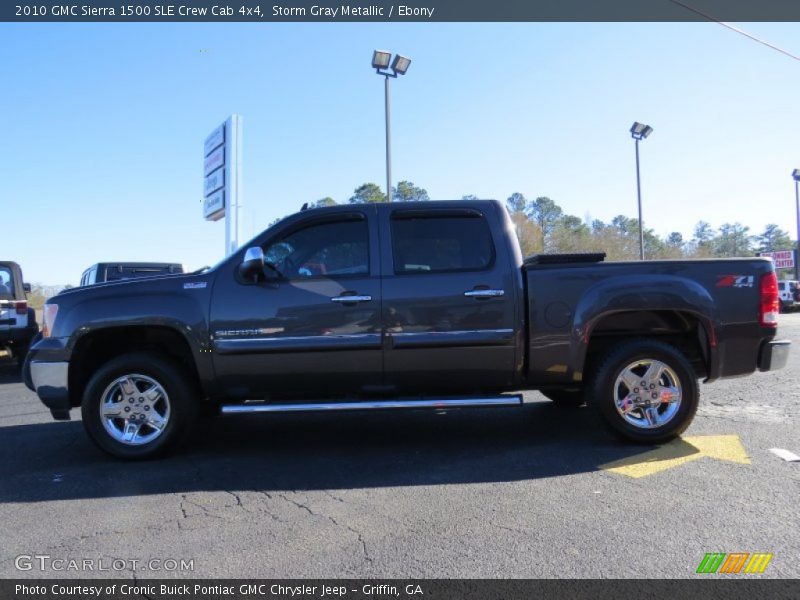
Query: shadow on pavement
x=55, y=461
x=9, y=371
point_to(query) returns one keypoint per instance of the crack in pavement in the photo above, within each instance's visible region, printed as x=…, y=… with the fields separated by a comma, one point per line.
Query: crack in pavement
x=357, y=533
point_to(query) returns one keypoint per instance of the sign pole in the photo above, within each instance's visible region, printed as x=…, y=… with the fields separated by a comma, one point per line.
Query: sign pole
x=797, y=245
x=233, y=183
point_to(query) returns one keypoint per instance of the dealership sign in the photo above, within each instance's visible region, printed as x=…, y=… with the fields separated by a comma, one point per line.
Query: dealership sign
x=222, y=152
x=783, y=259
x=214, y=173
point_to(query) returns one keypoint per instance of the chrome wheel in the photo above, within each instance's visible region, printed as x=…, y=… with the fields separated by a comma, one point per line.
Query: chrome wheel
x=134, y=409
x=647, y=393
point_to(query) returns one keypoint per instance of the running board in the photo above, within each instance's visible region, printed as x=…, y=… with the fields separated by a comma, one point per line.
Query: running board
x=441, y=403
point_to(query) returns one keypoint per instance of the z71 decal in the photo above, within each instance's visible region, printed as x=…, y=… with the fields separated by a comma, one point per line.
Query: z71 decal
x=737, y=281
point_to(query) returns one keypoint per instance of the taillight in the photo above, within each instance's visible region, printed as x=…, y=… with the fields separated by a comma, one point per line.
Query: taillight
x=770, y=301
x=22, y=307
x=50, y=311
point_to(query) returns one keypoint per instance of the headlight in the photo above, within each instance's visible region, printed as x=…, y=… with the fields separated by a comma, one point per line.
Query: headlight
x=49, y=321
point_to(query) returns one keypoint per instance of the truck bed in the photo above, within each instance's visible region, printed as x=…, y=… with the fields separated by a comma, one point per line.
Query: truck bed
x=574, y=304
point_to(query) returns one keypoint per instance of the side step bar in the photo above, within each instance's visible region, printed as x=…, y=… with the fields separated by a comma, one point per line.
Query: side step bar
x=511, y=400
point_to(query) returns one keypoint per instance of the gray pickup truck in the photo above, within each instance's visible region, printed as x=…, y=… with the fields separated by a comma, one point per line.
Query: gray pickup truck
x=402, y=305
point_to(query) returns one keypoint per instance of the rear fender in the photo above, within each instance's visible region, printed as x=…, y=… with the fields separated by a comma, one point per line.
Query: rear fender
x=636, y=293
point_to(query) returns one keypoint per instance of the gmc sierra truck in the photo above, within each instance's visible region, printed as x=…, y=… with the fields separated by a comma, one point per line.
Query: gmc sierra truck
x=402, y=305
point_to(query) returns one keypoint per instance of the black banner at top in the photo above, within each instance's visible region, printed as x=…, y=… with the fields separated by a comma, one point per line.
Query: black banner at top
x=273, y=11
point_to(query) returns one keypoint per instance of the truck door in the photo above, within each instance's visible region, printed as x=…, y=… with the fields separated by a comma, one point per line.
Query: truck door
x=314, y=332
x=448, y=301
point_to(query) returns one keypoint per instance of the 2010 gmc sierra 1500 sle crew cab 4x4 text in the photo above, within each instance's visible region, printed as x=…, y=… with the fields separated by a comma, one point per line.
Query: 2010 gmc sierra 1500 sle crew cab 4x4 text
x=402, y=305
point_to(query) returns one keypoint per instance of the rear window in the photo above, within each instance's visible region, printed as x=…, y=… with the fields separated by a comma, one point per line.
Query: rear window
x=6, y=284
x=435, y=244
x=127, y=272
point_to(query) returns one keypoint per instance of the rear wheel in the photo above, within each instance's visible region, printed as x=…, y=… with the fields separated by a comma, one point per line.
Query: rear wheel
x=137, y=406
x=645, y=390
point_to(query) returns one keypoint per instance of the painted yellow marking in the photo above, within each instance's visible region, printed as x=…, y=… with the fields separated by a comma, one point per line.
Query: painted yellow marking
x=678, y=452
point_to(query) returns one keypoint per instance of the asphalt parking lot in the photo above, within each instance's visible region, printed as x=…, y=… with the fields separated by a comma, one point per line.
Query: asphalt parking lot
x=532, y=492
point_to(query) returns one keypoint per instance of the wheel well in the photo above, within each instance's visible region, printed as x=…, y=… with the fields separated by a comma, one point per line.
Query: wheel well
x=95, y=349
x=683, y=330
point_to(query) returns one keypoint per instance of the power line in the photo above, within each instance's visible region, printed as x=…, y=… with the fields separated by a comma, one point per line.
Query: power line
x=736, y=29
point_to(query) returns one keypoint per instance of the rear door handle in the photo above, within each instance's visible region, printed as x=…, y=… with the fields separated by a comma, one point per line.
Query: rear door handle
x=479, y=294
x=352, y=298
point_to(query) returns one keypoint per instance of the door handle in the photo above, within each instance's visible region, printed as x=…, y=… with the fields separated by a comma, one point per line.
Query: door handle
x=480, y=294
x=353, y=298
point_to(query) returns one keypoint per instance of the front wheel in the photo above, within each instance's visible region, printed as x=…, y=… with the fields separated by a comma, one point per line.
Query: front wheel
x=137, y=406
x=645, y=390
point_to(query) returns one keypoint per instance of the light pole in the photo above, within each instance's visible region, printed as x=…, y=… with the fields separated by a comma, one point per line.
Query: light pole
x=400, y=64
x=640, y=131
x=796, y=177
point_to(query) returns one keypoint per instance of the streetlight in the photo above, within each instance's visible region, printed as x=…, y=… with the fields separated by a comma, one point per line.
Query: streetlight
x=400, y=64
x=796, y=177
x=640, y=131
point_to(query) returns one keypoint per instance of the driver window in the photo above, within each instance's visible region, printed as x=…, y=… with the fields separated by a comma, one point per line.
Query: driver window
x=331, y=249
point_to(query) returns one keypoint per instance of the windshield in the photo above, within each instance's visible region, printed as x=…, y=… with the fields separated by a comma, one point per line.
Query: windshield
x=6, y=284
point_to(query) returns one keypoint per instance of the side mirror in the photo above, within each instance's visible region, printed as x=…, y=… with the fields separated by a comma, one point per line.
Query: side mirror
x=252, y=266
x=26, y=287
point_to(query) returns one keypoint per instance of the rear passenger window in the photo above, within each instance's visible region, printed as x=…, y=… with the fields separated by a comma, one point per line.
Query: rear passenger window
x=435, y=244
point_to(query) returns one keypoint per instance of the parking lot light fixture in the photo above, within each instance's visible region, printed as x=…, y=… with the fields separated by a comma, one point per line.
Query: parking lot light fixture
x=640, y=131
x=381, y=59
x=796, y=177
x=400, y=64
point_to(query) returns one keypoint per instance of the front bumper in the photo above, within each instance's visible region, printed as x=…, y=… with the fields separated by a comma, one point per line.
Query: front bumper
x=773, y=355
x=50, y=380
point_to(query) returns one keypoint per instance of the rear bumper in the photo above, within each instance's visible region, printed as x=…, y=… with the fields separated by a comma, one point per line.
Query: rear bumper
x=773, y=355
x=18, y=335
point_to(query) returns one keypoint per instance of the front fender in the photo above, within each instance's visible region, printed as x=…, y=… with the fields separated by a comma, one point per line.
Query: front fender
x=185, y=315
x=636, y=293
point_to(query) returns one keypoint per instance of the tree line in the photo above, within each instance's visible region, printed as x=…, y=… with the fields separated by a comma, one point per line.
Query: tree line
x=543, y=226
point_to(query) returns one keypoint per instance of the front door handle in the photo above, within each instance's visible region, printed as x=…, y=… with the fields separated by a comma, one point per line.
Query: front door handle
x=479, y=294
x=351, y=299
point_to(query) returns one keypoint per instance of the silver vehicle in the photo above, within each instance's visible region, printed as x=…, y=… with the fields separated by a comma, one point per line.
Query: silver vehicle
x=789, y=295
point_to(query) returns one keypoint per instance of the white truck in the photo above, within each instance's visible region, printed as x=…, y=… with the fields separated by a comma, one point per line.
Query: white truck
x=789, y=295
x=17, y=320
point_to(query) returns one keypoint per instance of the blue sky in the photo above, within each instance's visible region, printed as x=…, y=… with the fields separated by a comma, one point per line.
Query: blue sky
x=104, y=125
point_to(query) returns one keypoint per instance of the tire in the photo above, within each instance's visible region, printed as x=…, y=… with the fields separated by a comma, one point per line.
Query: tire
x=665, y=418
x=153, y=398
x=567, y=398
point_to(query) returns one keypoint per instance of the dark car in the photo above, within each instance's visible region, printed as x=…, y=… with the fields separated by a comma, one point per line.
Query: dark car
x=115, y=271
x=402, y=305
x=18, y=325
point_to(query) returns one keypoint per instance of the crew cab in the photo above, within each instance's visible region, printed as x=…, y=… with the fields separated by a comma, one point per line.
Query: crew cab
x=17, y=320
x=402, y=305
